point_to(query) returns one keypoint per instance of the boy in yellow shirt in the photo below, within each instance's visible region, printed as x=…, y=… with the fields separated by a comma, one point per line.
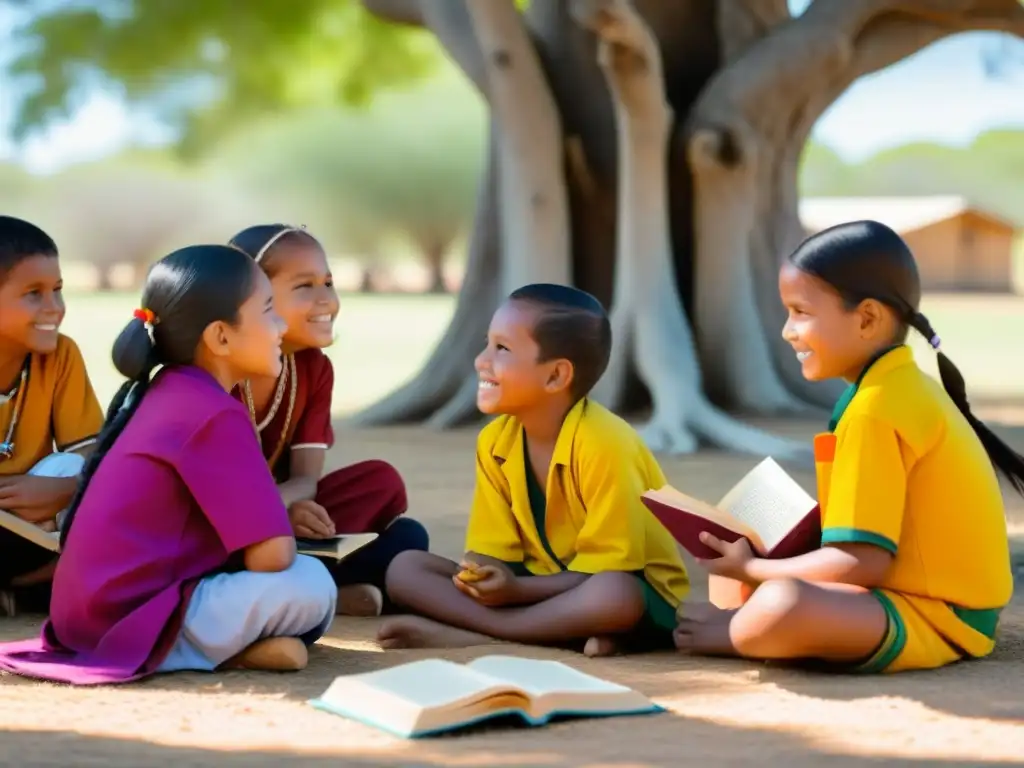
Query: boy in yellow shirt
x=914, y=566
x=559, y=547
x=49, y=414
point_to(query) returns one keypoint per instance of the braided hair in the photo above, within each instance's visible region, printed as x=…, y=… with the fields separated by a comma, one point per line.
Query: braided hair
x=868, y=260
x=185, y=292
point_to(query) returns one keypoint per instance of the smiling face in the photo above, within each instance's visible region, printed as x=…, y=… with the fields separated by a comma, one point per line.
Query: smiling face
x=830, y=339
x=252, y=347
x=511, y=379
x=304, y=294
x=31, y=305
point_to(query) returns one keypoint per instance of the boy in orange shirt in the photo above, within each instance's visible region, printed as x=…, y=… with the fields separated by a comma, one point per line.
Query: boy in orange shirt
x=49, y=414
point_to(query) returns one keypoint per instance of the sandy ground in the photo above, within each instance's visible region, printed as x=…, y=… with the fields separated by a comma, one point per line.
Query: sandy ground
x=720, y=712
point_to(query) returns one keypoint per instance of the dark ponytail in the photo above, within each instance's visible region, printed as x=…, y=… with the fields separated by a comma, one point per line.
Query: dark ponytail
x=185, y=292
x=868, y=260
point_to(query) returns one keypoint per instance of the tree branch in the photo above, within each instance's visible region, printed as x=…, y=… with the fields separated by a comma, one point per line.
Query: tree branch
x=396, y=11
x=629, y=57
x=837, y=42
x=452, y=25
x=450, y=22
x=747, y=21
x=535, y=235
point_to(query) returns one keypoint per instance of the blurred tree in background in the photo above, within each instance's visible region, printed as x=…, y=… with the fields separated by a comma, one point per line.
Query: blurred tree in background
x=205, y=67
x=645, y=151
x=366, y=177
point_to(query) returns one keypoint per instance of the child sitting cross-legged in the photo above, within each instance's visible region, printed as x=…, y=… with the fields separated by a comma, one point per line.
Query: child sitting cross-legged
x=560, y=549
x=914, y=567
x=49, y=414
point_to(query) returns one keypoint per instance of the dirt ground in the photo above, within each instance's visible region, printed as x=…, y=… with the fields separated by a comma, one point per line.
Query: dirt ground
x=720, y=712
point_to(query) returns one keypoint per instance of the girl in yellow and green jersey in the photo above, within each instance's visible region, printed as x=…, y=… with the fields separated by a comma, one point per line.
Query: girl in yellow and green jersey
x=914, y=564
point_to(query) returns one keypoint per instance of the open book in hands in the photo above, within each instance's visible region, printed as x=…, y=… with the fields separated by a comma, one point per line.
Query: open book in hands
x=767, y=507
x=431, y=696
x=334, y=547
x=45, y=536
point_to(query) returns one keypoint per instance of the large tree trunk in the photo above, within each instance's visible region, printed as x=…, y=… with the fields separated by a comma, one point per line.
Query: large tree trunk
x=662, y=215
x=433, y=259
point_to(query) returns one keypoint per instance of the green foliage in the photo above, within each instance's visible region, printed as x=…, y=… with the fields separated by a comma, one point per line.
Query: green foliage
x=205, y=66
x=987, y=172
x=408, y=166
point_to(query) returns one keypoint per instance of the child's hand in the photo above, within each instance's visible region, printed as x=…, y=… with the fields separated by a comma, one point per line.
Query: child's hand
x=491, y=584
x=735, y=558
x=33, y=498
x=310, y=521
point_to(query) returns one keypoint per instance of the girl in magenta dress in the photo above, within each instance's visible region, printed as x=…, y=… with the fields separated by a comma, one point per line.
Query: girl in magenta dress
x=177, y=552
x=292, y=413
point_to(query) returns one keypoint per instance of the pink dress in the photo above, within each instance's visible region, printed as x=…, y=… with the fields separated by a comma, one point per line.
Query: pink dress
x=183, y=489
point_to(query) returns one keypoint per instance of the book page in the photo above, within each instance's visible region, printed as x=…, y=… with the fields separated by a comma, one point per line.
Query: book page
x=769, y=501
x=426, y=684
x=46, y=539
x=556, y=687
x=338, y=547
x=679, y=500
x=538, y=677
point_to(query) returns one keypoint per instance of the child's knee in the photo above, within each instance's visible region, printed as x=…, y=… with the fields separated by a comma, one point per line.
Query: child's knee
x=778, y=601
x=408, y=568
x=621, y=592
x=410, y=534
x=311, y=588
x=59, y=465
x=388, y=482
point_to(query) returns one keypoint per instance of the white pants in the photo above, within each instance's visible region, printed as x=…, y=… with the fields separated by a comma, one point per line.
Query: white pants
x=59, y=465
x=231, y=611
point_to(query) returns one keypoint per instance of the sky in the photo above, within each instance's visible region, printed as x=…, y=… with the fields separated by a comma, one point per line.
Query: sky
x=943, y=94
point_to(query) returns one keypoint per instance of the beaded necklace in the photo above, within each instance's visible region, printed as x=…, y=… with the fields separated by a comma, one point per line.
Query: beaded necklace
x=7, y=446
x=288, y=376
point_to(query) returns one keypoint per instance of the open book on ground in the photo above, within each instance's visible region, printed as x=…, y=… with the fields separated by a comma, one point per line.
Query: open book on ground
x=335, y=547
x=432, y=696
x=46, y=539
x=767, y=507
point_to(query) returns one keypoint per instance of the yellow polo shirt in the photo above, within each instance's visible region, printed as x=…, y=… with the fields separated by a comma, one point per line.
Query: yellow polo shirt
x=910, y=475
x=59, y=410
x=594, y=517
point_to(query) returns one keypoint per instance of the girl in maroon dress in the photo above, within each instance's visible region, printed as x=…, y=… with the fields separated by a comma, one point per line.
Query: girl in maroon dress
x=293, y=416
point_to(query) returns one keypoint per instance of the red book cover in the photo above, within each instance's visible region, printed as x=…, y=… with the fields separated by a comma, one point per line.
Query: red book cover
x=686, y=528
x=766, y=505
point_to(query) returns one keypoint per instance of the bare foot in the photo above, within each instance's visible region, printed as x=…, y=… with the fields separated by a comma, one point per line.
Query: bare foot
x=360, y=600
x=601, y=645
x=8, y=604
x=418, y=632
x=272, y=654
x=703, y=630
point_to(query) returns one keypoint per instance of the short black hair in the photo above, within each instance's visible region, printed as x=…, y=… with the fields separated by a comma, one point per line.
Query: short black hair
x=20, y=240
x=572, y=325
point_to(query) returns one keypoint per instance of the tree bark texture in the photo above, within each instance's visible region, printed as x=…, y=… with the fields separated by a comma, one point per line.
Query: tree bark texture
x=647, y=152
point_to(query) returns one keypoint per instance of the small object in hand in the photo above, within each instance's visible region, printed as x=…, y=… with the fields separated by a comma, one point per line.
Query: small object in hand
x=469, y=573
x=6, y=450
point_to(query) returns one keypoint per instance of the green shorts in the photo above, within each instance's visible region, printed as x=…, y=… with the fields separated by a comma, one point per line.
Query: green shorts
x=659, y=621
